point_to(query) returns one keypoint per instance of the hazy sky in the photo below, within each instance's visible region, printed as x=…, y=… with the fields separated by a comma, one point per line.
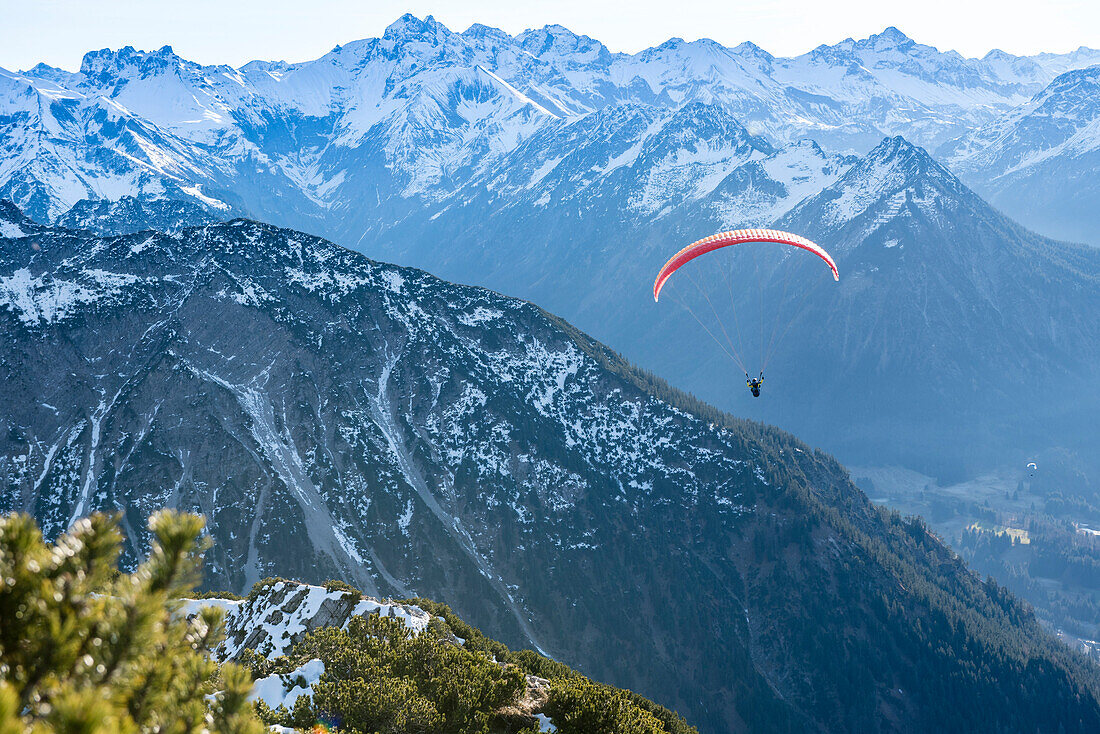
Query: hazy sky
x=236, y=31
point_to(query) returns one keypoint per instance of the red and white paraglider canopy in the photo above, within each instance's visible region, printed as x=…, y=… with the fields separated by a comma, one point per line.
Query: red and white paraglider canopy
x=737, y=237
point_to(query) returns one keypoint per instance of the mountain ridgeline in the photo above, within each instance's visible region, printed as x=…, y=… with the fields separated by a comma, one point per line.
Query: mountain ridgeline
x=956, y=340
x=544, y=166
x=336, y=417
x=379, y=126
x=1039, y=160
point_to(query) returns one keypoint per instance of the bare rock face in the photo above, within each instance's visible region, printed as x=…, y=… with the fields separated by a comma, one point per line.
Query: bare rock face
x=535, y=696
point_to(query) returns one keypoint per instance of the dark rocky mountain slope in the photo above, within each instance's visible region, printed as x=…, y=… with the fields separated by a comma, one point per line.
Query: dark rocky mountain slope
x=337, y=417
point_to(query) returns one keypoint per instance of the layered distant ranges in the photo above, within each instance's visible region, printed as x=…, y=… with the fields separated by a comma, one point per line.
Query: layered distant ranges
x=546, y=166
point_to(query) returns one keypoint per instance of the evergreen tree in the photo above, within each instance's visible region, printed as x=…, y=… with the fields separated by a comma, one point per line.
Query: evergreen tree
x=85, y=648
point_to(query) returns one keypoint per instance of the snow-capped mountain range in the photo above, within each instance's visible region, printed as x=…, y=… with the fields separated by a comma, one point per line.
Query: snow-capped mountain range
x=1041, y=161
x=541, y=165
x=360, y=137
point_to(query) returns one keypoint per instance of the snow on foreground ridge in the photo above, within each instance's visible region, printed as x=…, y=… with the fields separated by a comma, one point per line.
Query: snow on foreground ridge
x=283, y=689
x=282, y=613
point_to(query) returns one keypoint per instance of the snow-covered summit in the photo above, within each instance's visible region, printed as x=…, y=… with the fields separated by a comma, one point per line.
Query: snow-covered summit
x=894, y=176
x=420, y=111
x=107, y=63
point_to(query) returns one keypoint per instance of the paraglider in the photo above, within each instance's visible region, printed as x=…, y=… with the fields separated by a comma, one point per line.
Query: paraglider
x=727, y=239
x=1031, y=467
x=737, y=237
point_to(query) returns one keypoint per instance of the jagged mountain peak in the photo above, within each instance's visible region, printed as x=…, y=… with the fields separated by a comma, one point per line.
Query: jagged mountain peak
x=554, y=33
x=896, y=148
x=105, y=62
x=889, y=182
x=409, y=27
x=481, y=33
x=699, y=49
x=47, y=72
x=886, y=183
x=748, y=48
x=890, y=37
x=891, y=42
x=996, y=54
x=808, y=144
x=906, y=162
x=558, y=41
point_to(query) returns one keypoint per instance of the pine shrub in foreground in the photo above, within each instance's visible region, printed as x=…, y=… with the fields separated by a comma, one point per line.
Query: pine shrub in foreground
x=86, y=649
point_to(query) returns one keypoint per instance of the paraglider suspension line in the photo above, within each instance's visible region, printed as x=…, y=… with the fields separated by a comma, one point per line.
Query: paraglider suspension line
x=732, y=351
x=801, y=302
x=778, y=312
x=728, y=276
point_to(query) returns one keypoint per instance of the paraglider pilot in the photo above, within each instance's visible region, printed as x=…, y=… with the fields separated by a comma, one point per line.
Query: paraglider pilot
x=754, y=384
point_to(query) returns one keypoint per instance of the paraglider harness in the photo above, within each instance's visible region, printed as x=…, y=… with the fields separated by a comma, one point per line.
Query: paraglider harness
x=754, y=384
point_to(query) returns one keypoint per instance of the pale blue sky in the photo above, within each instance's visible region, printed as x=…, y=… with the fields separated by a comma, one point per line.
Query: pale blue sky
x=236, y=31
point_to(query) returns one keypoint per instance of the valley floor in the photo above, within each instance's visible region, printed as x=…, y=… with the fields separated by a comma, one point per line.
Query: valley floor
x=1015, y=527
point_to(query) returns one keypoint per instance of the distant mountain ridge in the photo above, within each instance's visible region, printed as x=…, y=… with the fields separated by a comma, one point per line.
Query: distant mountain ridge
x=1039, y=162
x=415, y=114
x=333, y=416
